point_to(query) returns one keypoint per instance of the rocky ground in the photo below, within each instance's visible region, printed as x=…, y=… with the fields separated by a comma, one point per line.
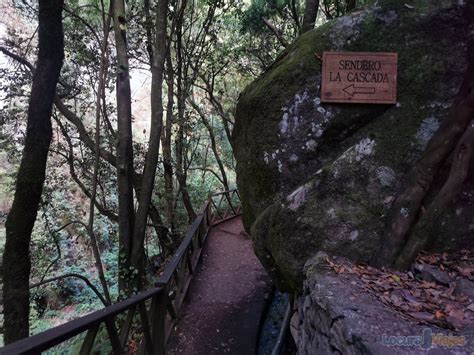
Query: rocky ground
x=439, y=290
x=356, y=309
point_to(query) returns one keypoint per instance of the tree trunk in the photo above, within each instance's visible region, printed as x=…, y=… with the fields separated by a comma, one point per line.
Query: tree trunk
x=407, y=205
x=294, y=13
x=350, y=5
x=111, y=159
x=31, y=174
x=226, y=118
x=310, y=15
x=276, y=31
x=406, y=208
x=151, y=162
x=188, y=205
x=181, y=174
x=213, y=143
x=124, y=146
x=425, y=228
x=166, y=143
x=95, y=177
x=105, y=154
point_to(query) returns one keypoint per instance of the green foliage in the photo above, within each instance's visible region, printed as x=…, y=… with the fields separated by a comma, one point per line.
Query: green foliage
x=236, y=49
x=258, y=9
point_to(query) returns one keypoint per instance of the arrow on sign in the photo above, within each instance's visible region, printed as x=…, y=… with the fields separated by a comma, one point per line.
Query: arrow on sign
x=353, y=90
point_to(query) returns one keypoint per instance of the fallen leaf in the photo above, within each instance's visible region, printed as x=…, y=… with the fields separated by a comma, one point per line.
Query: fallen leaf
x=410, y=298
x=426, y=284
x=395, y=277
x=465, y=271
x=456, y=313
x=425, y=316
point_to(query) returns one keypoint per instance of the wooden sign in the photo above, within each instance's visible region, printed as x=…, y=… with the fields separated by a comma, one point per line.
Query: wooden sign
x=359, y=77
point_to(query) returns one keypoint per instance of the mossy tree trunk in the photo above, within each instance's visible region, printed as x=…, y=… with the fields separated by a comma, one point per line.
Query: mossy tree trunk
x=31, y=174
x=125, y=170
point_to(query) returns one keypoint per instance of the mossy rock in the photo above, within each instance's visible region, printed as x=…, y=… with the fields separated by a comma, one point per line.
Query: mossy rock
x=344, y=162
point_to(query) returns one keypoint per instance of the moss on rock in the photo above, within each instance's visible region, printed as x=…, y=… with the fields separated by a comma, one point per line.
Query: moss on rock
x=343, y=162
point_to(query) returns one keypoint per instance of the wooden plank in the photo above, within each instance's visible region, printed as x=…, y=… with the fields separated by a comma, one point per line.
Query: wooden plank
x=181, y=270
x=188, y=261
x=182, y=295
x=158, y=318
x=113, y=335
x=177, y=276
x=359, y=77
x=171, y=310
x=200, y=230
x=89, y=340
x=127, y=325
x=216, y=209
x=229, y=199
x=146, y=327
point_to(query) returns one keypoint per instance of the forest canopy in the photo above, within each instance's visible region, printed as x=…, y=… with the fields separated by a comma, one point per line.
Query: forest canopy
x=133, y=106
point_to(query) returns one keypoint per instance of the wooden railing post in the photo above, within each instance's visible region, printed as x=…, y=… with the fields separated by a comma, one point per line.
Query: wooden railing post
x=209, y=214
x=113, y=335
x=88, y=343
x=217, y=213
x=158, y=321
x=126, y=326
x=146, y=327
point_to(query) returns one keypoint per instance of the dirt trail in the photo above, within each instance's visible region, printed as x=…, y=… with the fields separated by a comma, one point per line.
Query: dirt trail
x=223, y=308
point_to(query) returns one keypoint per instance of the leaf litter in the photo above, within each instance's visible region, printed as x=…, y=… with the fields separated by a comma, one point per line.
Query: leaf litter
x=418, y=295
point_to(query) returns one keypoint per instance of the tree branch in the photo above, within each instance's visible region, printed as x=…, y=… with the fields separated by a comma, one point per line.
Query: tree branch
x=78, y=276
x=277, y=32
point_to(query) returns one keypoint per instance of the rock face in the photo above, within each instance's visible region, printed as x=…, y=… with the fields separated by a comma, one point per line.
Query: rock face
x=322, y=177
x=335, y=317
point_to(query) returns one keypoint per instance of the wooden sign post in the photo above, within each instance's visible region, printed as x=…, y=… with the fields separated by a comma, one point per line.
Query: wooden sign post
x=359, y=77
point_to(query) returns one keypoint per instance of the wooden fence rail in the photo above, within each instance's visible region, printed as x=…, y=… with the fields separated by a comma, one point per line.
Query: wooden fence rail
x=158, y=308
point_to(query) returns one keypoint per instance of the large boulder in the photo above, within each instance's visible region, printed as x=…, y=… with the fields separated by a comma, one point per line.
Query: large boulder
x=316, y=176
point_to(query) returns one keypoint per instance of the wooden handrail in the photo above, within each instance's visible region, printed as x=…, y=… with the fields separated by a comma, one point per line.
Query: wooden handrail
x=57, y=335
x=178, y=256
x=167, y=297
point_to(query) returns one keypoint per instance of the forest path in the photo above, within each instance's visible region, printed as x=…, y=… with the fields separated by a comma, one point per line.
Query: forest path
x=226, y=299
